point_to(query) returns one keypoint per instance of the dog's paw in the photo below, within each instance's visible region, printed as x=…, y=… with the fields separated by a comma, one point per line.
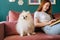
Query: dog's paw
x=21, y=35
x=28, y=34
x=33, y=33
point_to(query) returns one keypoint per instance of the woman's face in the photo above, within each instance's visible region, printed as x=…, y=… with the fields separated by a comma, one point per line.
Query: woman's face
x=46, y=6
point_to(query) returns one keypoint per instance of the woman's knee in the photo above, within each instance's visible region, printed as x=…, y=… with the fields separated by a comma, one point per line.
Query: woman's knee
x=52, y=32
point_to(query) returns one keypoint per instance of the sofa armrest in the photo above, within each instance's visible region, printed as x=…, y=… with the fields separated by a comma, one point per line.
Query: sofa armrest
x=1, y=31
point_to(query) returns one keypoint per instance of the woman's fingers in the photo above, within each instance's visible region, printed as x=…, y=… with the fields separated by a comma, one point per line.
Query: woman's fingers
x=53, y=20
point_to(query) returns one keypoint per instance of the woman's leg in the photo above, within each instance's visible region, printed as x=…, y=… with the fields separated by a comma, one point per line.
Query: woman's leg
x=53, y=30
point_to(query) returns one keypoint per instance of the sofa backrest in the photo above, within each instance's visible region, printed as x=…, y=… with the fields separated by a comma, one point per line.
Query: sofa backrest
x=57, y=15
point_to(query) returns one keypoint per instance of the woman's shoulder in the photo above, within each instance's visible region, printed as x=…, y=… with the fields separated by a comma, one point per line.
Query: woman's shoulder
x=37, y=12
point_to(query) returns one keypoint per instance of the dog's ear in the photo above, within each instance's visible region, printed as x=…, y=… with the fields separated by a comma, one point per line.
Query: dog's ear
x=23, y=11
x=28, y=11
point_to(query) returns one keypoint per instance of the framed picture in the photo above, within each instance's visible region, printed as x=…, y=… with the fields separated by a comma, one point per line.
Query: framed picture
x=34, y=2
x=53, y=1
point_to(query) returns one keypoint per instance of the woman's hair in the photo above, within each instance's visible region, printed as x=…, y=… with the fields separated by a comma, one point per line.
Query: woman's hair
x=41, y=6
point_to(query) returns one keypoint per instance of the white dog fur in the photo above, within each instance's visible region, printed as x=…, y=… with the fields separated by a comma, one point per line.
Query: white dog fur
x=25, y=24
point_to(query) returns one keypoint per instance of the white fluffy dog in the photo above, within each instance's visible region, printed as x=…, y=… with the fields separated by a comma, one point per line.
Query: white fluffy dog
x=25, y=24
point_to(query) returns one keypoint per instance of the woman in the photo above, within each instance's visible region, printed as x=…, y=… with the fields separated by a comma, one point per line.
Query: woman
x=43, y=18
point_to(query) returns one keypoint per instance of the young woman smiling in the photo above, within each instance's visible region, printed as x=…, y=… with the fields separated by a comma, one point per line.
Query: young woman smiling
x=43, y=18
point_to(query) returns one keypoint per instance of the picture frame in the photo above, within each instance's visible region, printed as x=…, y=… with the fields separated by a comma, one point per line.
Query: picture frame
x=53, y=1
x=34, y=2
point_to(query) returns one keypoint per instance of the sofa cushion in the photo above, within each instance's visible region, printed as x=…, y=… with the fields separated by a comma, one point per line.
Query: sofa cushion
x=37, y=36
x=13, y=16
x=10, y=28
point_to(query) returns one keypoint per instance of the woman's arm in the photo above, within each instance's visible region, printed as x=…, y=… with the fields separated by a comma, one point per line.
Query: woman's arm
x=39, y=24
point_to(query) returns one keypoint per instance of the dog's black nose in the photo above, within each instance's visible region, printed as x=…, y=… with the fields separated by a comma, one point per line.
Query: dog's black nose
x=24, y=17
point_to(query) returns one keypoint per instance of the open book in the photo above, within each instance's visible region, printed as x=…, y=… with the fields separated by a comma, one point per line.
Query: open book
x=57, y=21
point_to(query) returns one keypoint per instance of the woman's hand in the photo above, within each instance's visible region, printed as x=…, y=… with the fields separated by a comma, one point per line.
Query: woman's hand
x=53, y=20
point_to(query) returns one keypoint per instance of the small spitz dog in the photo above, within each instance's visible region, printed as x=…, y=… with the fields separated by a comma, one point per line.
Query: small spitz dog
x=25, y=24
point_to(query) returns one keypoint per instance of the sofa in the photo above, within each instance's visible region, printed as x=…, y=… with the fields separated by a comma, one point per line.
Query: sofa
x=8, y=29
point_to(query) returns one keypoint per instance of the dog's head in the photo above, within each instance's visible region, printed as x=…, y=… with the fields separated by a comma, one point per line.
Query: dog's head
x=25, y=15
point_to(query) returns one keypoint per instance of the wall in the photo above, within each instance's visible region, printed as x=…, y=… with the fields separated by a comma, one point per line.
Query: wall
x=5, y=6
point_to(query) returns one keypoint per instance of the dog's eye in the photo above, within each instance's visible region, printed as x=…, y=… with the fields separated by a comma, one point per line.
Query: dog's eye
x=26, y=16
